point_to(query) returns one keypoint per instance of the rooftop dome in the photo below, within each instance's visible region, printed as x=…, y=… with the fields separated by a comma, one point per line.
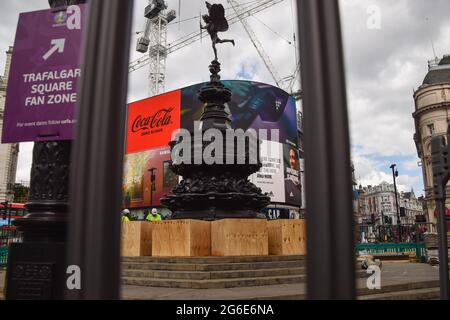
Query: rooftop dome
x=439, y=71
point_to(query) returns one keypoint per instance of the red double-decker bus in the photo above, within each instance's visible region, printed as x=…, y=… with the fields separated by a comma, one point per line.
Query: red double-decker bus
x=8, y=233
x=11, y=212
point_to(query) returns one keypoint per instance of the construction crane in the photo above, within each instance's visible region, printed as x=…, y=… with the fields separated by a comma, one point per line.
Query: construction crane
x=155, y=39
x=286, y=83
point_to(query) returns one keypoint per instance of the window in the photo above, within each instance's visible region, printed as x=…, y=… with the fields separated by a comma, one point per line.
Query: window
x=431, y=128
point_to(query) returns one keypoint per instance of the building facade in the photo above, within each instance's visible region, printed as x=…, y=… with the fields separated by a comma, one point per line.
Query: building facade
x=380, y=208
x=431, y=117
x=380, y=204
x=8, y=152
x=411, y=207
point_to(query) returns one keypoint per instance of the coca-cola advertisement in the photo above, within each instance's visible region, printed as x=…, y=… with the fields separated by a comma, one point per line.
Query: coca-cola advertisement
x=151, y=122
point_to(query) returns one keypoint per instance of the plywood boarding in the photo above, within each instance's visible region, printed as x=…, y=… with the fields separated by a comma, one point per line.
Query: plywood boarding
x=146, y=239
x=181, y=238
x=136, y=239
x=287, y=237
x=239, y=237
x=200, y=238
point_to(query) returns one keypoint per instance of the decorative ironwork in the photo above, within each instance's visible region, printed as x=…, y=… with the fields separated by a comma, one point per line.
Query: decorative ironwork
x=49, y=172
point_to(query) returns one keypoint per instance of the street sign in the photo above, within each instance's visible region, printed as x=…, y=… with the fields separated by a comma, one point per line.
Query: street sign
x=43, y=80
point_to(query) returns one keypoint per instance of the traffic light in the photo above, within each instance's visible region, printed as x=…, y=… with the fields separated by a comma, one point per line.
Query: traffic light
x=4, y=209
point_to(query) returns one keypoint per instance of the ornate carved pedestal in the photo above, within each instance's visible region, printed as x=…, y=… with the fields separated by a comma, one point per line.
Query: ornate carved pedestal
x=217, y=191
x=36, y=267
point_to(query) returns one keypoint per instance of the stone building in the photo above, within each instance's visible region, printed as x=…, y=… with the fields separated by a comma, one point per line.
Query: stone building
x=380, y=207
x=412, y=207
x=8, y=152
x=431, y=117
x=380, y=204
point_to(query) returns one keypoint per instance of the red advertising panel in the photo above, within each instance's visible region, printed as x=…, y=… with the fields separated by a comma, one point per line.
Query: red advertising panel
x=152, y=121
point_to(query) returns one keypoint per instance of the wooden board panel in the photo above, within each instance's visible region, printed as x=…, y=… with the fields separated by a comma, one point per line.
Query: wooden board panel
x=200, y=239
x=287, y=237
x=239, y=237
x=181, y=238
x=146, y=239
x=136, y=239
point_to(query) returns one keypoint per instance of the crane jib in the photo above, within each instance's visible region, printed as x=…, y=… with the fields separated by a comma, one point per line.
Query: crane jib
x=196, y=36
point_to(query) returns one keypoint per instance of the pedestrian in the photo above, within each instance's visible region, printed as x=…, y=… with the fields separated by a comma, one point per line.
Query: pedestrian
x=126, y=215
x=154, y=216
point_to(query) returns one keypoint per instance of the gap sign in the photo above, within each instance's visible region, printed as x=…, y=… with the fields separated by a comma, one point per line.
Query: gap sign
x=45, y=69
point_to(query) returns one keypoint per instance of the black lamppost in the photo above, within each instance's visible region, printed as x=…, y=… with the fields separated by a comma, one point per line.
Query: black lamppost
x=394, y=176
x=41, y=255
x=152, y=184
x=406, y=211
x=9, y=206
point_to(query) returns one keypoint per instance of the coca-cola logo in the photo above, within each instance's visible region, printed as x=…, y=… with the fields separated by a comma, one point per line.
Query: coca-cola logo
x=160, y=119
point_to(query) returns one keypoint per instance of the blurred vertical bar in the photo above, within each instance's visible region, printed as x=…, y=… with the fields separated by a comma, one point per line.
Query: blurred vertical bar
x=440, y=167
x=329, y=213
x=97, y=161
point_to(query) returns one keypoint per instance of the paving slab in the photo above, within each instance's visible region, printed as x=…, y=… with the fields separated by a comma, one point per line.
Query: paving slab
x=392, y=274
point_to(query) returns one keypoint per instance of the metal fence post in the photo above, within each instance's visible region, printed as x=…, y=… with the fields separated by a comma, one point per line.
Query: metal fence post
x=97, y=162
x=330, y=246
x=440, y=151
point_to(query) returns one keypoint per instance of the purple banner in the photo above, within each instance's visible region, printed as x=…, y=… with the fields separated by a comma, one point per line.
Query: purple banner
x=45, y=69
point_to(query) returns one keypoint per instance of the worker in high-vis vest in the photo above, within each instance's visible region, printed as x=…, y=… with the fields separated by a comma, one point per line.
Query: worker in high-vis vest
x=125, y=215
x=154, y=216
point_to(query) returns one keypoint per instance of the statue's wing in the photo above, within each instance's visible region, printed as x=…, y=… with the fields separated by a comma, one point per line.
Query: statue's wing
x=217, y=15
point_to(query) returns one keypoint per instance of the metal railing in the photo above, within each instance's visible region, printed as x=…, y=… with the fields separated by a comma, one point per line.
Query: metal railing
x=327, y=153
x=404, y=233
x=418, y=249
x=8, y=235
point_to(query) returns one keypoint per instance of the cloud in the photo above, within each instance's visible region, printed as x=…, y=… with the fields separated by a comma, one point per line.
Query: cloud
x=383, y=68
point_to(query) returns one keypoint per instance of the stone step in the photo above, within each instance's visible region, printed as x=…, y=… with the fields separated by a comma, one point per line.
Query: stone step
x=208, y=275
x=424, y=291
x=213, y=284
x=400, y=287
x=212, y=260
x=418, y=294
x=212, y=267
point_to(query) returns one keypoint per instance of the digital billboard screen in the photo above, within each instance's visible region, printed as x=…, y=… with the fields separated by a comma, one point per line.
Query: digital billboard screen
x=151, y=123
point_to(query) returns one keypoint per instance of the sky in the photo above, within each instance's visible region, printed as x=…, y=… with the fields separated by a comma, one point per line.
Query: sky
x=386, y=43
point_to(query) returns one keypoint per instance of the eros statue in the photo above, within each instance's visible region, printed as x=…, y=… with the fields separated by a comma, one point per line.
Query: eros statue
x=215, y=22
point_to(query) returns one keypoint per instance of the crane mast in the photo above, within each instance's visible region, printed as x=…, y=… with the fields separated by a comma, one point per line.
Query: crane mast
x=154, y=41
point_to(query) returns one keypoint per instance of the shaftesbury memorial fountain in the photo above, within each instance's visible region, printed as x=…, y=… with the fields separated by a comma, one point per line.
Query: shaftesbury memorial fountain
x=219, y=190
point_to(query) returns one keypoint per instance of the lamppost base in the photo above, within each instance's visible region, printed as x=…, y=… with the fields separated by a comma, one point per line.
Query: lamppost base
x=36, y=271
